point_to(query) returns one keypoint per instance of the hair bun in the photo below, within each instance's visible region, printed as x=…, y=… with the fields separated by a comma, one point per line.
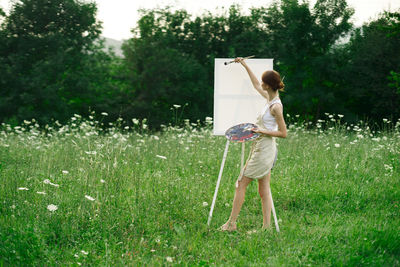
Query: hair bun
x=281, y=86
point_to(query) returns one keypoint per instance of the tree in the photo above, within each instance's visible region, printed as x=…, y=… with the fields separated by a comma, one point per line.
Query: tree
x=46, y=44
x=372, y=55
x=301, y=40
x=170, y=59
x=160, y=71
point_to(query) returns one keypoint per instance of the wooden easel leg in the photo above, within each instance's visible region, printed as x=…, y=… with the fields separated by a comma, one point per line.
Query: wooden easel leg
x=242, y=158
x=218, y=182
x=273, y=212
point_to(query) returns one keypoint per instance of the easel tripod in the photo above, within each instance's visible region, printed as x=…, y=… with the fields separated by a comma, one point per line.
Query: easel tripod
x=219, y=180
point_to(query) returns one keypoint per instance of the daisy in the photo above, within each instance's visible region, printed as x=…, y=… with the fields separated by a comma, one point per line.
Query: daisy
x=52, y=207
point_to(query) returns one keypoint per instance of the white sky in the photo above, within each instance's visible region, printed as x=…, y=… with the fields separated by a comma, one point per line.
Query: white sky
x=120, y=16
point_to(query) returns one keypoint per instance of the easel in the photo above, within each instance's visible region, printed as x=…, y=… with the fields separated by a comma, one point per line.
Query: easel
x=219, y=180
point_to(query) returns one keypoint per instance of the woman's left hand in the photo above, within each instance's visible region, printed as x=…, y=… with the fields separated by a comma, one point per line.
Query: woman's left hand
x=257, y=130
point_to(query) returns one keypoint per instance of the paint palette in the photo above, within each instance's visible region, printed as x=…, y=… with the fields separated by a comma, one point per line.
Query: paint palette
x=241, y=132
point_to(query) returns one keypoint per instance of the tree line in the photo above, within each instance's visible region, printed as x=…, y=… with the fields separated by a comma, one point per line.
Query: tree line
x=52, y=61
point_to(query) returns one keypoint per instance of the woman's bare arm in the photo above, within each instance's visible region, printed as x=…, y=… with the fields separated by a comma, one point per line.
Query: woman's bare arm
x=253, y=78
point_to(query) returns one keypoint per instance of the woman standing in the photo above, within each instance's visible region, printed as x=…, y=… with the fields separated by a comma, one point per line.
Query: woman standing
x=263, y=154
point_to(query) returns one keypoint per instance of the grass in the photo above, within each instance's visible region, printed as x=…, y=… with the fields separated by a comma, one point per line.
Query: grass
x=336, y=190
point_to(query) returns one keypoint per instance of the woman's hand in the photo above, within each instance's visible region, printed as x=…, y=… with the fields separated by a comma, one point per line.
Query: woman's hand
x=240, y=60
x=257, y=130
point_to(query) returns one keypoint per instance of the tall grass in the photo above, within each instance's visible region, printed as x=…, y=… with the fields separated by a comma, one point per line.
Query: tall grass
x=78, y=195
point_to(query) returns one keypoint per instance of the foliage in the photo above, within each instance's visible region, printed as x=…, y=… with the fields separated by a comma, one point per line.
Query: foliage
x=52, y=62
x=298, y=38
x=370, y=57
x=301, y=40
x=128, y=197
x=49, y=61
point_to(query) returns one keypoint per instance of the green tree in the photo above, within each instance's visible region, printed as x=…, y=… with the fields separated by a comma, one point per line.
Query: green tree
x=161, y=71
x=170, y=59
x=373, y=55
x=301, y=40
x=44, y=54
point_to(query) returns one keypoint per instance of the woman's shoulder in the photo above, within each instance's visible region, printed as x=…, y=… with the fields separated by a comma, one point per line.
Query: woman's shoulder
x=274, y=101
x=276, y=107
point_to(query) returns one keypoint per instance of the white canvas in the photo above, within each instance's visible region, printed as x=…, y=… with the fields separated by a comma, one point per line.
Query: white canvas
x=235, y=99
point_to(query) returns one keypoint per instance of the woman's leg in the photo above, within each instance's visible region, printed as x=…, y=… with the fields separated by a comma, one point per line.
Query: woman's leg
x=238, y=200
x=266, y=201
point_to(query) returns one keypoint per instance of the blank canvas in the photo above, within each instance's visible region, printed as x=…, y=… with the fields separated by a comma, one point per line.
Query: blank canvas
x=235, y=99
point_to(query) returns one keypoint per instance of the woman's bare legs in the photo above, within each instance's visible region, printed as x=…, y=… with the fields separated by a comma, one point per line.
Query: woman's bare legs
x=238, y=200
x=266, y=201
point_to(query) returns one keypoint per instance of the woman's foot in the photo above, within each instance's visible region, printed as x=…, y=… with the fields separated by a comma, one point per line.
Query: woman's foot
x=228, y=226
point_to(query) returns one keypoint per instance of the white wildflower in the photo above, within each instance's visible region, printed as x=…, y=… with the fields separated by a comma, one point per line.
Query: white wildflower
x=41, y=193
x=102, y=181
x=84, y=252
x=23, y=189
x=251, y=232
x=135, y=121
x=65, y=172
x=169, y=259
x=340, y=115
x=161, y=157
x=89, y=198
x=385, y=120
x=52, y=207
x=205, y=204
x=104, y=113
x=177, y=106
x=388, y=167
x=152, y=250
x=337, y=145
x=47, y=181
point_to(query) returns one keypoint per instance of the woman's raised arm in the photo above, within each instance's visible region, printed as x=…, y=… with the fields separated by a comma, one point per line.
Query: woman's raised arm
x=253, y=78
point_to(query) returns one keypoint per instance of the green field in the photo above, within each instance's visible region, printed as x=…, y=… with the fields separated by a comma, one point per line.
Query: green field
x=78, y=195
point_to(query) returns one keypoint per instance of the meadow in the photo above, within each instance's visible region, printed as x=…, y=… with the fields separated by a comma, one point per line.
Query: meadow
x=77, y=194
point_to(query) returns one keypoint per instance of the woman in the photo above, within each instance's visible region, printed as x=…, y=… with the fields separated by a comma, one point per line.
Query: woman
x=270, y=124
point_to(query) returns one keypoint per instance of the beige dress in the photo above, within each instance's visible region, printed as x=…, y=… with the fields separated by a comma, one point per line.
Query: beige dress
x=263, y=152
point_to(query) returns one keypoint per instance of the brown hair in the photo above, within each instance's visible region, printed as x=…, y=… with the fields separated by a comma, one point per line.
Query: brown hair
x=273, y=79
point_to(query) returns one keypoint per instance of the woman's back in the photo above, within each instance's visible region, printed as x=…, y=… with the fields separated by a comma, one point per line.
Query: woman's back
x=269, y=121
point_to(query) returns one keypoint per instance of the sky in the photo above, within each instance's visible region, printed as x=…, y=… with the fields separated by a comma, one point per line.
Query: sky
x=120, y=16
